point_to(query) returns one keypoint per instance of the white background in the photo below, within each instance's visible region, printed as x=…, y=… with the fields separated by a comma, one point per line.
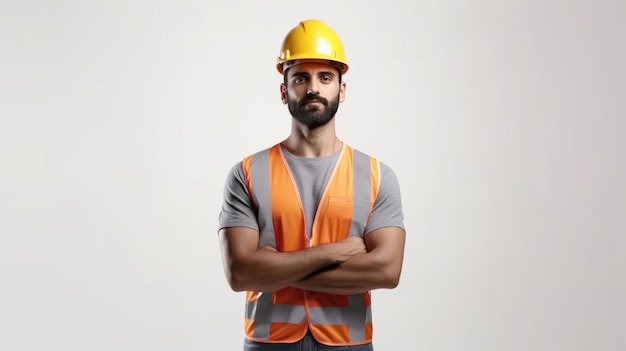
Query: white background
x=504, y=121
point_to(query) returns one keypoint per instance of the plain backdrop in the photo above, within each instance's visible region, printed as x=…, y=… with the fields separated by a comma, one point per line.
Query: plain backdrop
x=503, y=120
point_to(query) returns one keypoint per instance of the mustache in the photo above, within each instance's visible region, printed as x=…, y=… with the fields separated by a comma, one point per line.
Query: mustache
x=310, y=97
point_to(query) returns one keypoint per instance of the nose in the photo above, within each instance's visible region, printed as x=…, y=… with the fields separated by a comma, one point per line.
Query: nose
x=313, y=87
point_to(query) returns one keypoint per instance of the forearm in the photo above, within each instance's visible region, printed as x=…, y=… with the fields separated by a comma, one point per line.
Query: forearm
x=379, y=268
x=248, y=267
x=268, y=270
x=359, y=274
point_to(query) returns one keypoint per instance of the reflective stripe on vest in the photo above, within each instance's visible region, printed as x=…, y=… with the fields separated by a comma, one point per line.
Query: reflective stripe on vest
x=344, y=209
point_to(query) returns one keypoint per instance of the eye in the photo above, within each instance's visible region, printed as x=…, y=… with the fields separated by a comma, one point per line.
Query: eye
x=299, y=80
x=327, y=79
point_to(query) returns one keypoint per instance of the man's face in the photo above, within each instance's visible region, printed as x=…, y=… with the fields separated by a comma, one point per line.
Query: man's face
x=312, y=93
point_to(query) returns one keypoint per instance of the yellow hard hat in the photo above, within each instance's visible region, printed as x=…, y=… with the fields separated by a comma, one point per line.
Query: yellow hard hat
x=312, y=40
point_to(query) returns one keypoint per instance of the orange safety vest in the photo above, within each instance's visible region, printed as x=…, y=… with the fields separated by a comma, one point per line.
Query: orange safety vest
x=344, y=209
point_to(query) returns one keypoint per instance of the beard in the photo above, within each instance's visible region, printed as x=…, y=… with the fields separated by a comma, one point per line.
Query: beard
x=313, y=116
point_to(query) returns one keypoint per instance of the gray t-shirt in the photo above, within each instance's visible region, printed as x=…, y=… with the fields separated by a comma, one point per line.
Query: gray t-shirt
x=311, y=176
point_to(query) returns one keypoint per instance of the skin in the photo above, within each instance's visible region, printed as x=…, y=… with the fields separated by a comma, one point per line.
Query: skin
x=351, y=266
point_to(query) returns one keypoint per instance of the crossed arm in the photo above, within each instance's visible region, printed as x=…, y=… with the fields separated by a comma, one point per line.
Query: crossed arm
x=347, y=267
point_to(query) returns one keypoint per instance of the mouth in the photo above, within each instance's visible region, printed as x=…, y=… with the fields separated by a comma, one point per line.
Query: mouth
x=313, y=102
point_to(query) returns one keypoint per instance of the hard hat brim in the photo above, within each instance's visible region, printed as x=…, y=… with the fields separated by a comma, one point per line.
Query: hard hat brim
x=282, y=65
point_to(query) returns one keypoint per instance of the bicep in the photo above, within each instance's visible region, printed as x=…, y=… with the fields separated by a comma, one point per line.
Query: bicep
x=387, y=209
x=387, y=244
x=237, y=209
x=237, y=242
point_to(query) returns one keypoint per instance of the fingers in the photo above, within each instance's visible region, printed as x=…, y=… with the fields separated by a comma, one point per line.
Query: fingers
x=356, y=245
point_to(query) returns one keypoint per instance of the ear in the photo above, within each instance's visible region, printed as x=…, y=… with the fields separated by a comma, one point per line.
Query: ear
x=283, y=93
x=342, y=91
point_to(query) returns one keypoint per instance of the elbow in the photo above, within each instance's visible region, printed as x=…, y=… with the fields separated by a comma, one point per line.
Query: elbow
x=241, y=276
x=235, y=277
x=245, y=282
x=232, y=283
x=390, y=278
x=235, y=285
x=237, y=288
x=391, y=281
x=237, y=281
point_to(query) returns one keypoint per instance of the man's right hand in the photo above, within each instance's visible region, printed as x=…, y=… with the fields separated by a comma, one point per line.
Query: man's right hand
x=350, y=247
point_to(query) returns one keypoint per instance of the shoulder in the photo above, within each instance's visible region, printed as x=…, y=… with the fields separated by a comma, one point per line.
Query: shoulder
x=385, y=169
x=261, y=152
x=259, y=158
x=239, y=168
x=359, y=151
x=236, y=173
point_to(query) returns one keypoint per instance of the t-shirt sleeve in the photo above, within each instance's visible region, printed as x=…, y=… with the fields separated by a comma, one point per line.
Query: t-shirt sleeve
x=237, y=207
x=387, y=211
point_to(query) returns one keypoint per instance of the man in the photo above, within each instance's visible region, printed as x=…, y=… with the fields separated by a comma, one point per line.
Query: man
x=310, y=226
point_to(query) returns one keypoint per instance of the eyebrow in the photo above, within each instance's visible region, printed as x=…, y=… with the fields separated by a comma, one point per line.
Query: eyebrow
x=306, y=74
x=300, y=74
x=327, y=73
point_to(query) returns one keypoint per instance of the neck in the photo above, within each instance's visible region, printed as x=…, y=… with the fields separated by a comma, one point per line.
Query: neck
x=318, y=142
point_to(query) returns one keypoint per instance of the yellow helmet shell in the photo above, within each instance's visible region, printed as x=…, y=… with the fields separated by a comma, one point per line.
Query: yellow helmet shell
x=312, y=40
